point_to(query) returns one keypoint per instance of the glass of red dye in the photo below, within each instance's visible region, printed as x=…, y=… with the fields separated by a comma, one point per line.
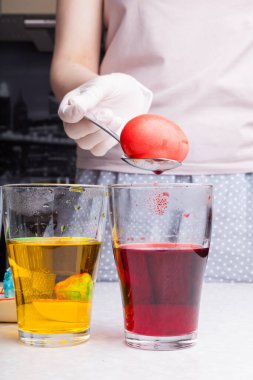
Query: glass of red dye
x=161, y=237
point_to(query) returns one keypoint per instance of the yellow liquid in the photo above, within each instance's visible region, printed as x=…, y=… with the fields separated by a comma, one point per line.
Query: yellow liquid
x=45, y=271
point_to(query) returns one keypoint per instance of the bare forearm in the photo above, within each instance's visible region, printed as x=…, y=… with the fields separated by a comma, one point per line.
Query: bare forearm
x=77, y=44
x=65, y=76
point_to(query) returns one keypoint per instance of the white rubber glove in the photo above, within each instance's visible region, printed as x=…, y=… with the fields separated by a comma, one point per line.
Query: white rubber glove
x=111, y=100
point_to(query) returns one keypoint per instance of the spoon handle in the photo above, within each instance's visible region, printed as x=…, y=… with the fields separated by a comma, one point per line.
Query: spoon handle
x=105, y=129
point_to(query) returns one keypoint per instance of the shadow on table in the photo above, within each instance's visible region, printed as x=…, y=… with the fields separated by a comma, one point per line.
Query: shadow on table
x=101, y=333
x=10, y=332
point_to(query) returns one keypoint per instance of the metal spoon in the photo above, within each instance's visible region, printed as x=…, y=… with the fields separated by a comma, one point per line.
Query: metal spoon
x=156, y=165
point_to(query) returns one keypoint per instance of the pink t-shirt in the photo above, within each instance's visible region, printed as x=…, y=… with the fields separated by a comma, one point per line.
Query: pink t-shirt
x=197, y=58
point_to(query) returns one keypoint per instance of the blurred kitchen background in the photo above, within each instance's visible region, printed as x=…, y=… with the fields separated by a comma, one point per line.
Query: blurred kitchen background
x=33, y=145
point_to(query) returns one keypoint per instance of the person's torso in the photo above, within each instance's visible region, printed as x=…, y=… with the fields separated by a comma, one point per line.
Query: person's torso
x=197, y=58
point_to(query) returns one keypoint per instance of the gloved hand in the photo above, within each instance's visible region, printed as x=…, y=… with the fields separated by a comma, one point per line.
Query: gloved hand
x=111, y=100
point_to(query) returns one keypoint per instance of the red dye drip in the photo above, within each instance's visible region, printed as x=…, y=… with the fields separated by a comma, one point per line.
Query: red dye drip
x=161, y=203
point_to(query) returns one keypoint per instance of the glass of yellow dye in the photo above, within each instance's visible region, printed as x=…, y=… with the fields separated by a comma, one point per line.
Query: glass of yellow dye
x=54, y=236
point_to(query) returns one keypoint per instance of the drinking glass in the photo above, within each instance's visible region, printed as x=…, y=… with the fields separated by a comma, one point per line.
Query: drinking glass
x=161, y=236
x=53, y=235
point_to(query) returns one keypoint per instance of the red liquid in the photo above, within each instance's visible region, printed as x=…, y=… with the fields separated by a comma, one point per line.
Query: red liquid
x=161, y=286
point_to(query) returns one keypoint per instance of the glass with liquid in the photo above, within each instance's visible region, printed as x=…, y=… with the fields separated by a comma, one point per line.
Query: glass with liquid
x=54, y=236
x=161, y=236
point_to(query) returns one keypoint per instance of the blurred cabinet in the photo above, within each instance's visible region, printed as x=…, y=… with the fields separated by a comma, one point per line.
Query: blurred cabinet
x=28, y=7
x=28, y=20
x=33, y=145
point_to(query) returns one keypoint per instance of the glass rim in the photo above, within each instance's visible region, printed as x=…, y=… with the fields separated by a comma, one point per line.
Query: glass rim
x=160, y=185
x=50, y=185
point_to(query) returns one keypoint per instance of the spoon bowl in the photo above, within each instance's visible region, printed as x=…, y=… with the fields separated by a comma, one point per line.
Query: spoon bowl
x=155, y=165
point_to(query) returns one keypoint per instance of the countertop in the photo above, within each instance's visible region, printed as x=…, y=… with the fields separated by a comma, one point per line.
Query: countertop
x=224, y=350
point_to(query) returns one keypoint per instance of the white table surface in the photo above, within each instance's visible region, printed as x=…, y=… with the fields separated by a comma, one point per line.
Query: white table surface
x=224, y=350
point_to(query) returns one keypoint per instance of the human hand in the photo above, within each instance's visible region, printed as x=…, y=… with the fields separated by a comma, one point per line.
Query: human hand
x=111, y=100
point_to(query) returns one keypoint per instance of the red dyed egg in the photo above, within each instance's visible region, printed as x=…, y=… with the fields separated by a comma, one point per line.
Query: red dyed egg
x=153, y=136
